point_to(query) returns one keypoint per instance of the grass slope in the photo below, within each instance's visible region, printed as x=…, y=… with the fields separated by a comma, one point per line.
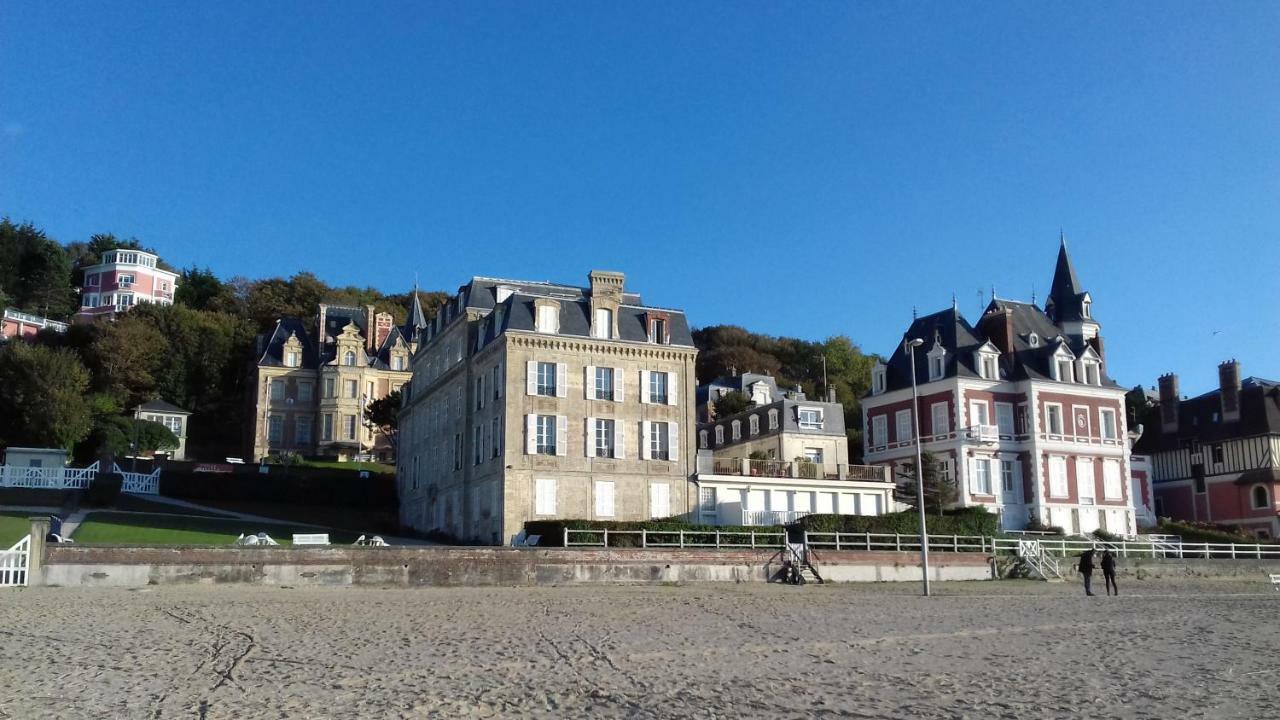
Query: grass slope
x=13, y=527
x=114, y=528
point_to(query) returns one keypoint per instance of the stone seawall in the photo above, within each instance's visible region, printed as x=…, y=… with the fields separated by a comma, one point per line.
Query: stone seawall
x=72, y=565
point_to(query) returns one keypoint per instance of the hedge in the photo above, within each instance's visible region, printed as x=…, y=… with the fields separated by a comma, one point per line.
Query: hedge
x=551, y=532
x=1206, y=533
x=298, y=485
x=967, y=521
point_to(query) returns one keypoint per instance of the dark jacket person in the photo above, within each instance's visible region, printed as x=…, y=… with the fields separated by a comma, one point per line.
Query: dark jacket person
x=1109, y=571
x=1086, y=569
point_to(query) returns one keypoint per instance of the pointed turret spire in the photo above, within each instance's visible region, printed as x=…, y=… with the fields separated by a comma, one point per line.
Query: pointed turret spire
x=1064, y=300
x=417, y=320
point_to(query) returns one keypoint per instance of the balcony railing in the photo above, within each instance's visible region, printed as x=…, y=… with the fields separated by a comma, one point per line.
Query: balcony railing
x=798, y=469
x=982, y=433
x=756, y=518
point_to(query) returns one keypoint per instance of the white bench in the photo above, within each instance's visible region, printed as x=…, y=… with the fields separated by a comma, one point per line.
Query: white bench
x=1275, y=581
x=312, y=539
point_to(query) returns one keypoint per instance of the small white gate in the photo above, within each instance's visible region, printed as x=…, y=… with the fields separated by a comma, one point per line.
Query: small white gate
x=141, y=483
x=14, y=563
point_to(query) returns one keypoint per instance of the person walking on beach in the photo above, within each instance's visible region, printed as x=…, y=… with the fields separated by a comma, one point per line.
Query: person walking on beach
x=1086, y=569
x=1109, y=571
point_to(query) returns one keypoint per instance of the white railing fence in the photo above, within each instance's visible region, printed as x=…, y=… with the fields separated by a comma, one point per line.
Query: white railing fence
x=14, y=563
x=51, y=478
x=897, y=543
x=674, y=538
x=1152, y=549
x=1044, y=564
x=140, y=483
x=771, y=517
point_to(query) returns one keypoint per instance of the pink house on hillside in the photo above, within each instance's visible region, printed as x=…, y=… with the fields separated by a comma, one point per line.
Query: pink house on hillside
x=124, y=278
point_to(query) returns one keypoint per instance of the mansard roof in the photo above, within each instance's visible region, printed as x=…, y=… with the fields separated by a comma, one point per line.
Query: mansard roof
x=271, y=350
x=1200, y=418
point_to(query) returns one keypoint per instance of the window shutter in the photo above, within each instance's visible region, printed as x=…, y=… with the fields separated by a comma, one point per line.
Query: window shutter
x=673, y=388
x=644, y=440
x=531, y=437
x=591, y=437
x=617, y=384
x=531, y=377
x=562, y=380
x=644, y=386
x=498, y=377
x=618, y=435
x=673, y=440
x=562, y=435
x=589, y=382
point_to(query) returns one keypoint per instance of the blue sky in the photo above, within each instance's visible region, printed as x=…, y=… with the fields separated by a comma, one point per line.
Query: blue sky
x=805, y=169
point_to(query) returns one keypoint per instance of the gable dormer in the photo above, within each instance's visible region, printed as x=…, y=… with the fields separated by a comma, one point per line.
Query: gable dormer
x=878, y=378
x=1089, y=367
x=1062, y=363
x=760, y=393
x=291, y=351
x=349, y=347
x=937, y=359
x=986, y=360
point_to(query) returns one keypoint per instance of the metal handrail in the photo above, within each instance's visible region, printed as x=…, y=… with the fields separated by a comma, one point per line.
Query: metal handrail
x=718, y=539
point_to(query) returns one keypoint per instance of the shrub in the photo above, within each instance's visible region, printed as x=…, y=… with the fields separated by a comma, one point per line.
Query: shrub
x=551, y=532
x=303, y=485
x=1105, y=536
x=966, y=521
x=1208, y=533
x=104, y=490
x=1035, y=525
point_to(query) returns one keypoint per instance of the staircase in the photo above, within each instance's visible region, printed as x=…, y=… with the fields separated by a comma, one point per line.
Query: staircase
x=1037, y=562
x=801, y=557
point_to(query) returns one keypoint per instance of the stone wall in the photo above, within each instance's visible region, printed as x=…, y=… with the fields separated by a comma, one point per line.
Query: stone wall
x=70, y=565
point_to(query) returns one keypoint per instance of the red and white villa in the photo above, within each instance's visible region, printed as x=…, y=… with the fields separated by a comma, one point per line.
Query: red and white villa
x=124, y=278
x=1019, y=410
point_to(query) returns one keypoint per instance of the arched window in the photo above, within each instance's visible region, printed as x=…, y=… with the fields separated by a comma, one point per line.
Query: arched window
x=349, y=359
x=773, y=419
x=754, y=423
x=702, y=439
x=1261, y=498
x=737, y=430
x=719, y=434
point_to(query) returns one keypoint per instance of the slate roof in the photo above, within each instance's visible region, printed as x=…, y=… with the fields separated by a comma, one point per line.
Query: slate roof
x=161, y=406
x=1066, y=296
x=271, y=351
x=741, y=383
x=416, y=320
x=517, y=310
x=1259, y=415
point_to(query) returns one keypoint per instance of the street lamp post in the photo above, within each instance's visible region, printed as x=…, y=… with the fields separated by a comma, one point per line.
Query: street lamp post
x=911, y=345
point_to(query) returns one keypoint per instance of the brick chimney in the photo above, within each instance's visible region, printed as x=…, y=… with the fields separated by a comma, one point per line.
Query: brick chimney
x=1229, y=390
x=370, y=335
x=1169, y=402
x=382, y=329
x=1096, y=343
x=997, y=325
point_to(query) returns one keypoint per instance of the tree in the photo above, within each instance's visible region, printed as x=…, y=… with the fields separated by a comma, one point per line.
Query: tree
x=202, y=290
x=43, y=399
x=731, y=403
x=124, y=357
x=939, y=490
x=35, y=272
x=383, y=415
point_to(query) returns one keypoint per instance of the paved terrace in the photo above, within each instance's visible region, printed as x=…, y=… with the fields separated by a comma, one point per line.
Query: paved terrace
x=983, y=650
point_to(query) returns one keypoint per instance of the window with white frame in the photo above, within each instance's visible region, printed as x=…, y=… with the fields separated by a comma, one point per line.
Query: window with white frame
x=349, y=388
x=658, y=383
x=1066, y=370
x=902, y=422
x=546, y=382
x=349, y=358
x=1057, y=476
x=544, y=493
x=548, y=318
x=877, y=379
x=719, y=434
x=604, y=498
x=1053, y=418
x=1107, y=418
x=659, y=441
x=937, y=362
x=604, y=383
x=348, y=427
x=753, y=425
x=1261, y=498
x=773, y=419
x=941, y=419
x=737, y=430
x=879, y=430
x=659, y=500
x=982, y=476
x=546, y=438
x=604, y=434
x=1091, y=375
x=1007, y=478
x=292, y=358
x=702, y=439
x=658, y=331
x=1112, y=486
x=602, y=326
x=1004, y=418
x=810, y=418
x=125, y=280
x=988, y=367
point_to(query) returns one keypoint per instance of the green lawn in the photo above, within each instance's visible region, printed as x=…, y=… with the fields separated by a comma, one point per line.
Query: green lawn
x=111, y=528
x=13, y=527
x=371, y=467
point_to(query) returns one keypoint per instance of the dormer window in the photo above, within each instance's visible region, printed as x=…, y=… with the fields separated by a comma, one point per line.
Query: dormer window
x=292, y=358
x=602, y=325
x=1033, y=340
x=987, y=360
x=937, y=363
x=349, y=358
x=659, y=329
x=1085, y=308
x=548, y=316
x=737, y=430
x=719, y=434
x=1066, y=371
x=878, y=379
x=1091, y=374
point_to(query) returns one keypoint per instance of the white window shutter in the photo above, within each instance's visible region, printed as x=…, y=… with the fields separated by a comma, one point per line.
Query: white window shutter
x=562, y=380
x=531, y=436
x=673, y=440
x=673, y=388
x=617, y=384
x=644, y=440
x=590, y=434
x=531, y=377
x=644, y=386
x=562, y=435
x=589, y=382
x=618, y=435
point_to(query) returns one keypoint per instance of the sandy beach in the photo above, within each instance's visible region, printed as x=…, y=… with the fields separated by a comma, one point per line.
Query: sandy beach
x=1006, y=650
